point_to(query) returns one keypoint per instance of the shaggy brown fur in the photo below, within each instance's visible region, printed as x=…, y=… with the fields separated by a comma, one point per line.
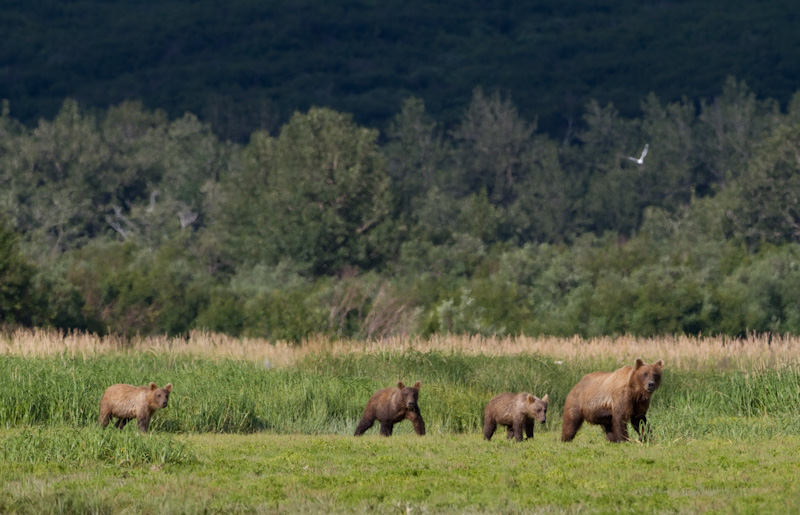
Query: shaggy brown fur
x=612, y=399
x=516, y=411
x=390, y=406
x=127, y=402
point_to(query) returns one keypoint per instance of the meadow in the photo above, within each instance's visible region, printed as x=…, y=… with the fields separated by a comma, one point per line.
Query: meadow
x=262, y=427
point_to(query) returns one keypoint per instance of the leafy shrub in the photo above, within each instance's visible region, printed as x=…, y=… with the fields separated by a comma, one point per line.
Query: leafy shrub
x=17, y=303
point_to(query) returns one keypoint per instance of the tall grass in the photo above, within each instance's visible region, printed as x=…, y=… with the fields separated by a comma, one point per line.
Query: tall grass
x=326, y=393
x=220, y=396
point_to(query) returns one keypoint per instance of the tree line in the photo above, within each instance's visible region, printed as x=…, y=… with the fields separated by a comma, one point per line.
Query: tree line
x=244, y=65
x=126, y=221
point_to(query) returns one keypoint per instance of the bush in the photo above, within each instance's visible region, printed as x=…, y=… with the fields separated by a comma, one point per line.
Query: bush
x=17, y=304
x=132, y=290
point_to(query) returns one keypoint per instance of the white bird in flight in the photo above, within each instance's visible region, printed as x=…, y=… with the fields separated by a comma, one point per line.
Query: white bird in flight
x=644, y=153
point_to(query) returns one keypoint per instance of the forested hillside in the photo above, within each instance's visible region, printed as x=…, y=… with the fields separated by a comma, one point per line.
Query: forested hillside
x=243, y=65
x=129, y=221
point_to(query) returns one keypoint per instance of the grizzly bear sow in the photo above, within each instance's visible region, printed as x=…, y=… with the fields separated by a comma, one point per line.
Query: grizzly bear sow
x=127, y=402
x=391, y=405
x=516, y=411
x=612, y=399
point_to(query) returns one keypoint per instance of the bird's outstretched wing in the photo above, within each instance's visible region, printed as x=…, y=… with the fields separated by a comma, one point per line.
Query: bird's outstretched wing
x=640, y=160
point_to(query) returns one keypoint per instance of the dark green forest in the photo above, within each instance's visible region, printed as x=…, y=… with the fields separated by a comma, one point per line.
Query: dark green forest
x=246, y=65
x=128, y=221
x=364, y=169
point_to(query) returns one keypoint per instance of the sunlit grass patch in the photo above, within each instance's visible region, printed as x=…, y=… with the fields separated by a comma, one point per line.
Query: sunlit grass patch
x=78, y=446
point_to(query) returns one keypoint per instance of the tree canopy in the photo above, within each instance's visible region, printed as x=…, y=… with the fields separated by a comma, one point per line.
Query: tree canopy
x=128, y=221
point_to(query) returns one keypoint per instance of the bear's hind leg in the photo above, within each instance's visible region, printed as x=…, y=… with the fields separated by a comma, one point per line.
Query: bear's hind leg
x=364, y=424
x=572, y=422
x=104, y=418
x=489, y=427
x=121, y=421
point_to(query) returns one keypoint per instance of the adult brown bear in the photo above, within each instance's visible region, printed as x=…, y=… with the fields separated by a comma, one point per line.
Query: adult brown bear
x=516, y=411
x=612, y=399
x=391, y=405
x=127, y=402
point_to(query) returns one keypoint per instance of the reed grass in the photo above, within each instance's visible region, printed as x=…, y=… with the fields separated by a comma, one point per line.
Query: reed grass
x=679, y=351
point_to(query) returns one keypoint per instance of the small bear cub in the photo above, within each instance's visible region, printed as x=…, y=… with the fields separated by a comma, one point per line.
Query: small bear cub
x=390, y=406
x=127, y=402
x=516, y=411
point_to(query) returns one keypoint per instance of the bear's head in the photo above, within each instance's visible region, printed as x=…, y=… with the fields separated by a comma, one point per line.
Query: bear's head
x=646, y=377
x=536, y=407
x=409, y=394
x=159, y=396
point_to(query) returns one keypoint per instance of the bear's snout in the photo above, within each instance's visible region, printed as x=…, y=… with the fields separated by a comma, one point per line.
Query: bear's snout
x=651, y=386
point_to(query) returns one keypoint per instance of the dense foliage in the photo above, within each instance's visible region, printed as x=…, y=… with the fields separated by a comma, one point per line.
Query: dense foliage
x=130, y=221
x=243, y=65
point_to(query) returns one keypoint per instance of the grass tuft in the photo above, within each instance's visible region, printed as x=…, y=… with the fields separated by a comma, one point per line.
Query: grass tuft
x=74, y=446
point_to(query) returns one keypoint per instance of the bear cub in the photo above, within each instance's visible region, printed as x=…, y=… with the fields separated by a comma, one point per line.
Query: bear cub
x=390, y=406
x=611, y=400
x=516, y=411
x=127, y=402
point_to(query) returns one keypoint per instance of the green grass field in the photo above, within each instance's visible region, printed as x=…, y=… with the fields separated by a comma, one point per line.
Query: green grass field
x=241, y=437
x=218, y=473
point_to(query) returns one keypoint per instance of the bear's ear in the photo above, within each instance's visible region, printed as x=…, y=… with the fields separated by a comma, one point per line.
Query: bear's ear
x=417, y=385
x=168, y=387
x=659, y=363
x=153, y=386
x=400, y=385
x=530, y=399
x=545, y=398
x=638, y=363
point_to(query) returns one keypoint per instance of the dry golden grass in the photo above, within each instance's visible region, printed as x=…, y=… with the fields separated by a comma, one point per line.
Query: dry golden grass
x=677, y=351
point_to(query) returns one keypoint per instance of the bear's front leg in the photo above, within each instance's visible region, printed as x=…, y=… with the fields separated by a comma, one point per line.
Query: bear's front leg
x=529, y=428
x=386, y=428
x=416, y=418
x=641, y=426
x=620, y=415
x=143, y=418
x=619, y=429
x=519, y=427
